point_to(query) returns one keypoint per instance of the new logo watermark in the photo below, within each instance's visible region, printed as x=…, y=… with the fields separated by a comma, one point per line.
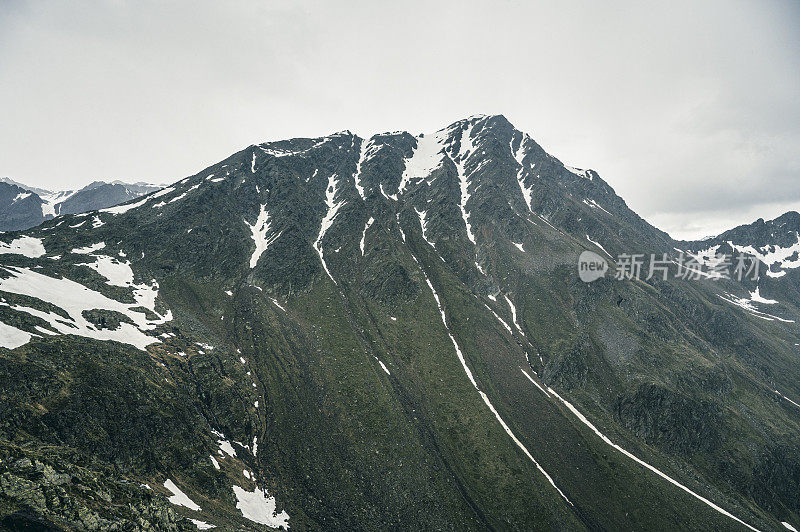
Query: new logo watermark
x=592, y=266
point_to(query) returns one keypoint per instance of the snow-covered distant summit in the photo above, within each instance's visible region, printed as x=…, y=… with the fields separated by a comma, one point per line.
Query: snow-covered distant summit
x=23, y=206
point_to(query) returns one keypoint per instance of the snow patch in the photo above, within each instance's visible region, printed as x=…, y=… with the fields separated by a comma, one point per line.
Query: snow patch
x=259, y=231
x=426, y=157
x=11, y=337
x=89, y=249
x=75, y=298
x=327, y=220
x=179, y=498
x=364, y=233
x=25, y=245
x=258, y=507
x=122, y=209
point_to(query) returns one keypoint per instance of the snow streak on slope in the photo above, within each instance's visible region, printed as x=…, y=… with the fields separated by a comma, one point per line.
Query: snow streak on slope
x=514, y=315
x=327, y=221
x=598, y=245
x=423, y=222
x=779, y=393
x=259, y=231
x=485, y=398
x=747, y=305
x=465, y=150
x=364, y=234
x=593, y=204
x=519, y=155
x=178, y=497
x=501, y=320
x=362, y=156
x=605, y=439
x=427, y=156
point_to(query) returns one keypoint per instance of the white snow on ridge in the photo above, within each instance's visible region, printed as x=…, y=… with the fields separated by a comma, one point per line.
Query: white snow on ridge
x=327, y=221
x=773, y=254
x=122, y=209
x=25, y=245
x=179, y=498
x=578, y=172
x=426, y=158
x=162, y=192
x=364, y=234
x=258, y=507
x=259, y=231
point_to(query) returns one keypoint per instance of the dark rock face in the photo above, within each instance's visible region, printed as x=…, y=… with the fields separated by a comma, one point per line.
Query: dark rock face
x=678, y=424
x=387, y=333
x=19, y=208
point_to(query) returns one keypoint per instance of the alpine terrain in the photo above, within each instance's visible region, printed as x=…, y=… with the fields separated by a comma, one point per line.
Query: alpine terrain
x=23, y=207
x=391, y=334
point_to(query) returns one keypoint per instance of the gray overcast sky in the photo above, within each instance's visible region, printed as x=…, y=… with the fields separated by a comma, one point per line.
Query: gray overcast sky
x=690, y=110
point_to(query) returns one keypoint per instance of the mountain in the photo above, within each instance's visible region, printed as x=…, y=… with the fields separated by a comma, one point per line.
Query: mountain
x=23, y=207
x=389, y=333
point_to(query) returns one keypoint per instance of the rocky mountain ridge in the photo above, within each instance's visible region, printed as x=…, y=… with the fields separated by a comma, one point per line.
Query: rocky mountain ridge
x=348, y=333
x=23, y=207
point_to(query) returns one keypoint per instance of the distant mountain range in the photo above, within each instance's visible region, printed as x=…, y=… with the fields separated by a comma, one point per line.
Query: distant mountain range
x=22, y=206
x=391, y=333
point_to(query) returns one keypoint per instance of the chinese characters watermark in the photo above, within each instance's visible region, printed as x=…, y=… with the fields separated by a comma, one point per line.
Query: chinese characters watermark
x=592, y=266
